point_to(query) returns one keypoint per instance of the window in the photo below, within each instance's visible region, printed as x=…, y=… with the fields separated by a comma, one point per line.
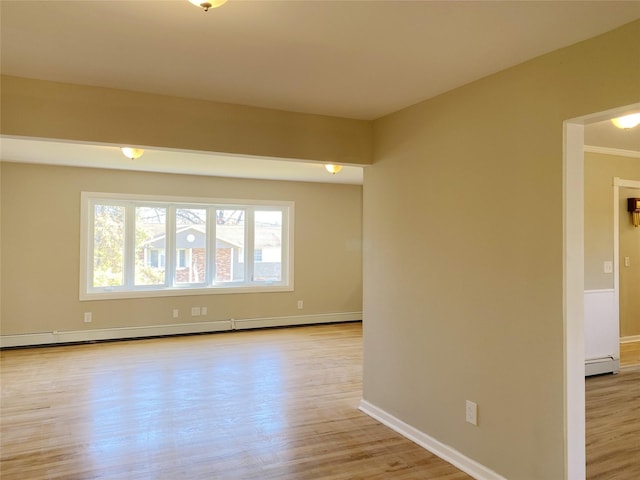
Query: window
x=138, y=246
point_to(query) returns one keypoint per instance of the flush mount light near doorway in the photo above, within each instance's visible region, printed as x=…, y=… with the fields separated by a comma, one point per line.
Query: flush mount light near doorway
x=627, y=122
x=207, y=5
x=132, y=153
x=333, y=169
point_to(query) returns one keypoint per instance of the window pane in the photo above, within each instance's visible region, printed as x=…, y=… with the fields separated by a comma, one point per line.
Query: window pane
x=151, y=236
x=182, y=258
x=108, y=246
x=191, y=245
x=230, y=245
x=268, y=241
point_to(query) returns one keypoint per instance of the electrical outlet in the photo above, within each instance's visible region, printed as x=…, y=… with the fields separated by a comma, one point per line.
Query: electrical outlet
x=608, y=267
x=471, y=412
x=176, y=313
x=300, y=304
x=195, y=311
x=203, y=310
x=627, y=261
x=88, y=317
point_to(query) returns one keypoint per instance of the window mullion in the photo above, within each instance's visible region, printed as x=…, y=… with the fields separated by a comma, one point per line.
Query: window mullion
x=250, y=245
x=211, y=245
x=90, y=231
x=284, y=246
x=170, y=247
x=129, y=245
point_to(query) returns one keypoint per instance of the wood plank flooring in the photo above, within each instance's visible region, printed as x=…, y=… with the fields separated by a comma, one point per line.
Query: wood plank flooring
x=629, y=354
x=613, y=425
x=269, y=404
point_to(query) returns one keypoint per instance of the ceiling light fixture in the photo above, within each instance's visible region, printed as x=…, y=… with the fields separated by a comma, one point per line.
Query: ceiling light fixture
x=628, y=121
x=207, y=5
x=132, y=153
x=333, y=169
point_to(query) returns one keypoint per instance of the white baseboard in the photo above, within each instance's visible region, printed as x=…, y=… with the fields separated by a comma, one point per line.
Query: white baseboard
x=450, y=455
x=69, y=336
x=630, y=339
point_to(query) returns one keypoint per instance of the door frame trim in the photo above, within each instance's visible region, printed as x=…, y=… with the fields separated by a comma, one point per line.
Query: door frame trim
x=573, y=287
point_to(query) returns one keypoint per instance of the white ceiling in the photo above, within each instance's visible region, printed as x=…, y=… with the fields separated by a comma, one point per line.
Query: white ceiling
x=356, y=59
x=605, y=134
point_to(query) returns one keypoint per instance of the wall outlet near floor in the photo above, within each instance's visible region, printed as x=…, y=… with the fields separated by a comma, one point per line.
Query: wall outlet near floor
x=471, y=412
x=608, y=267
x=176, y=313
x=203, y=310
x=300, y=304
x=88, y=317
x=195, y=311
x=627, y=261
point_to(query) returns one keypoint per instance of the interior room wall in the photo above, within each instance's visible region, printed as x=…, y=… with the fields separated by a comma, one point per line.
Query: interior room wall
x=599, y=172
x=463, y=257
x=41, y=249
x=629, y=273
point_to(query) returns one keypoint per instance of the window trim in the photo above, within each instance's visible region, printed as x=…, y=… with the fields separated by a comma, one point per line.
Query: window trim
x=89, y=199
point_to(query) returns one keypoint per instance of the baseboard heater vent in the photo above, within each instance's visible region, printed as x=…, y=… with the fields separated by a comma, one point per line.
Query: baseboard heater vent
x=600, y=365
x=122, y=333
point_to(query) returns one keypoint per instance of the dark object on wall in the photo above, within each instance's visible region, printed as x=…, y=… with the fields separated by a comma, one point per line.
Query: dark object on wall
x=633, y=205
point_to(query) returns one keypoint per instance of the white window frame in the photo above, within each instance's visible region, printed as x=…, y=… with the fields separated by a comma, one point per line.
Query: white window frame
x=170, y=288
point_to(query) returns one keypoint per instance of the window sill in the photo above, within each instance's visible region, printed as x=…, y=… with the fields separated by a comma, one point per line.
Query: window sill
x=183, y=292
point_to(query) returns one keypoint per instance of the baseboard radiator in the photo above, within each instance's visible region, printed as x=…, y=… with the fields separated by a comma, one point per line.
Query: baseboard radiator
x=94, y=335
x=598, y=366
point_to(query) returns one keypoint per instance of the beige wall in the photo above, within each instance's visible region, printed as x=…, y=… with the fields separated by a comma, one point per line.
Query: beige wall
x=463, y=257
x=0, y=246
x=37, y=108
x=629, y=276
x=41, y=235
x=599, y=172
x=600, y=169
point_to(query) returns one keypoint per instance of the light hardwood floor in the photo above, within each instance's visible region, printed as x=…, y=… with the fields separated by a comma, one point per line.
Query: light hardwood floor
x=629, y=354
x=269, y=404
x=613, y=425
x=613, y=420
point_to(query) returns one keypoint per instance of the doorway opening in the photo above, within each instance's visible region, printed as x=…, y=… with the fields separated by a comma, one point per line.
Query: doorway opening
x=573, y=287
